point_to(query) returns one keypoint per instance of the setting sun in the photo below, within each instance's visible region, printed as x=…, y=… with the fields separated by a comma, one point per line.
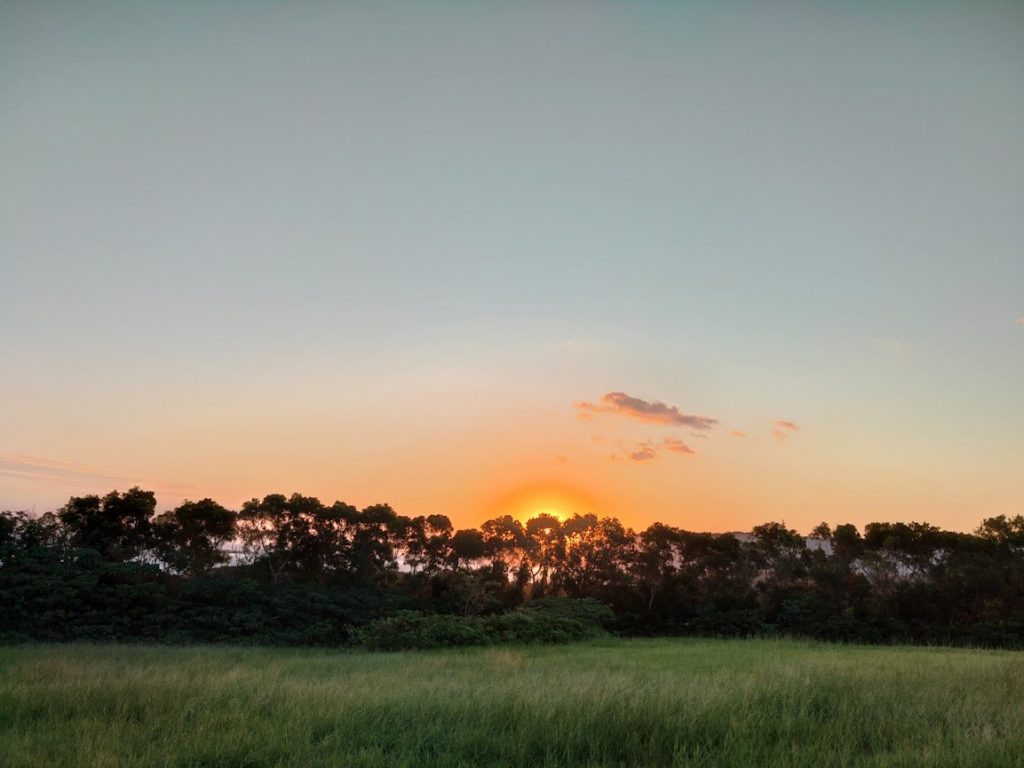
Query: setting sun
x=550, y=512
x=561, y=502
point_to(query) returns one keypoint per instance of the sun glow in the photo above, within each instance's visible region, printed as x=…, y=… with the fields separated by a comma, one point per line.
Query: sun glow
x=550, y=511
x=561, y=502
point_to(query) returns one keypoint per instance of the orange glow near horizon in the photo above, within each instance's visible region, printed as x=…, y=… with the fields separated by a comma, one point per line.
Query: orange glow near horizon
x=560, y=501
x=549, y=462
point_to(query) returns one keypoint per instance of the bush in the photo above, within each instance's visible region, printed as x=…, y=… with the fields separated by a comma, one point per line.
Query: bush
x=410, y=630
x=537, y=627
x=552, y=620
x=587, y=609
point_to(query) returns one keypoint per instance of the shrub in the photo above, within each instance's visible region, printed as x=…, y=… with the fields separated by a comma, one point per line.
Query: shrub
x=586, y=610
x=410, y=630
x=553, y=620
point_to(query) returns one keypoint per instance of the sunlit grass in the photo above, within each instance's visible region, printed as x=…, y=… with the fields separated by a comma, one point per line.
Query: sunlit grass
x=616, y=702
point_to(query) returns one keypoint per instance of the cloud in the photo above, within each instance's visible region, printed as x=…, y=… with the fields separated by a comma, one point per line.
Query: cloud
x=676, y=445
x=650, y=451
x=1020, y=320
x=643, y=452
x=34, y=474
x=24, y=464
x=654, y=412
x=781, y=429
x=738, y=433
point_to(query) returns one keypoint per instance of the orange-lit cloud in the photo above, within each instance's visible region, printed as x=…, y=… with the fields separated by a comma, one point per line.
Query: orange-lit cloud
x=675, y=445
x=782, y=429
x=738, y=433
x=648, y=451
x=654, y=411
x=643, y=452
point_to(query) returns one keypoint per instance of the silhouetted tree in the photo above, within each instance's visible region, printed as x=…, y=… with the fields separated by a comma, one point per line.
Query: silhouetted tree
x=117, y=526
x=546, y=548
x=312, y=572
x=190, y=539
x=654, y=563
x=507, y=542
x=376, y=535
x=259, y=526
x=467, y=547
x=1003, y=529
x=596, y=552
x=426, y=543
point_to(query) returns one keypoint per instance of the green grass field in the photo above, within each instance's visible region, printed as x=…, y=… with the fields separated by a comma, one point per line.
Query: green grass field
x=608, y=703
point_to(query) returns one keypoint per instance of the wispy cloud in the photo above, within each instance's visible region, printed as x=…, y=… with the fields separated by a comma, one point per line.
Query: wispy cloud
x=675, y=445
x=782, y=429
x=29, y=472
x=738, y=433
x=649, y=451
x=643, y=452
x=655, y=411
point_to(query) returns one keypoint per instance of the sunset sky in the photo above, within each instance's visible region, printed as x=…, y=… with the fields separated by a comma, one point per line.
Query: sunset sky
x=704, y=263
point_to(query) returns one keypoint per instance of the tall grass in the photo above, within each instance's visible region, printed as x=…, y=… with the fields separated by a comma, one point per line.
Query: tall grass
x=606, y=703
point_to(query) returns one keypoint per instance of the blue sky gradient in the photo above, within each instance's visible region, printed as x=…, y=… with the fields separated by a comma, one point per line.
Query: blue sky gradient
x=371, y=250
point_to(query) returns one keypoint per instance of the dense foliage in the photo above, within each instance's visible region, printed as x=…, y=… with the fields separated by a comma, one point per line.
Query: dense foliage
x=291, y=570
x=547, y=620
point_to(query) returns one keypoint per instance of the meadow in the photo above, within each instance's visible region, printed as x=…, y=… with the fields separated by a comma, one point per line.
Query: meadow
x=672, y=702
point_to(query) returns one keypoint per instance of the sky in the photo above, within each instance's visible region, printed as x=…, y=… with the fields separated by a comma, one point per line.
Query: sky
x=706, y=263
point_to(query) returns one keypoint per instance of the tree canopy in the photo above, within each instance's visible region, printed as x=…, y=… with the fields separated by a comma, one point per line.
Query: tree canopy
x=292, y=569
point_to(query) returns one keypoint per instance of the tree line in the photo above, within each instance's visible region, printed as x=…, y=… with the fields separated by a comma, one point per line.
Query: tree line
x=291, y=569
